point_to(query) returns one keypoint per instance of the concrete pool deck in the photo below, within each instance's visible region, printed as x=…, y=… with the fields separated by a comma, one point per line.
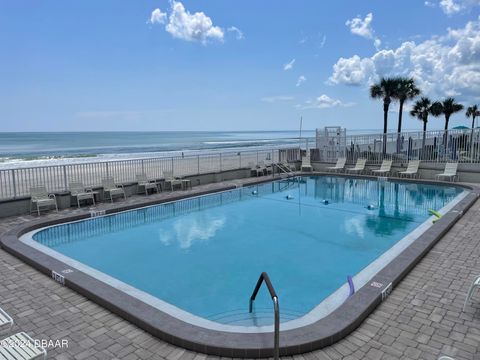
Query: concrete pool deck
x=421, y=319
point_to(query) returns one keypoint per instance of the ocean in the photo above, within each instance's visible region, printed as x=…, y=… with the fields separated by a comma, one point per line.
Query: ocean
x=25, y=149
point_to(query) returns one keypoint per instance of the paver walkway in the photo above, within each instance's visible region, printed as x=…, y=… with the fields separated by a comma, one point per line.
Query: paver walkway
x=421, y=319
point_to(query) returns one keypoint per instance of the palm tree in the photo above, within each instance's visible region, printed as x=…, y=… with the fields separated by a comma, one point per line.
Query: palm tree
x=386, y=90
x=473, y=112
x=406, y=90
x=447, y=107
x=421, y=109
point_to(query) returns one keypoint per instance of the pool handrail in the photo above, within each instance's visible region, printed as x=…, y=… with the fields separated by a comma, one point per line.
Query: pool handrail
x=276, y=340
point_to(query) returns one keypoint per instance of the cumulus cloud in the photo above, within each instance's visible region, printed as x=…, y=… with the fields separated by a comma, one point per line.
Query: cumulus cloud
x=191, y=27
x=238, y=33
x=289, y=65
x=196, y=27
x=442, y=65
x=363, y=28
x=323, y=102
x=272, y=99
x=451, y=7
x=158, y=17
x=301, y=79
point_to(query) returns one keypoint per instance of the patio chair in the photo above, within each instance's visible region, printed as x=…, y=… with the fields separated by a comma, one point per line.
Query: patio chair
x=412, y=169
x=78, y=191
x=475, y=286
x=255, y=169
x=450, y=171
x=385, y=168
x=112, y=189
x=6, y=322
x=171, y=181
x=359, y=166
x=267, y=169
x=339, y=166
x=306, y=165
x=142, y=181
x=21, y=347
x=40, y=198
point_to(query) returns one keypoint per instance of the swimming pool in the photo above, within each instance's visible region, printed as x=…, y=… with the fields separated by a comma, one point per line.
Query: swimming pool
x=198, y=259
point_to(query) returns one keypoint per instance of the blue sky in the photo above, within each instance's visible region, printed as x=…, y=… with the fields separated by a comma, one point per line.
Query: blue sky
x=111, y=65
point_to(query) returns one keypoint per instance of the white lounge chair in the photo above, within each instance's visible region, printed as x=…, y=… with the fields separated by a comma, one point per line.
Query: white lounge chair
x=339, y=166
x=475, y=286
x=40, y=198
x=385, y=168
x=142, y=181
x=6, y=322
x=359, y=166
x=450, y=171
x=111, y=189
x=21, y=347
x=171, y=181
x=306, y=165
x=267, y=169
x=78, y=191
x=256, y=170
x=412, y=169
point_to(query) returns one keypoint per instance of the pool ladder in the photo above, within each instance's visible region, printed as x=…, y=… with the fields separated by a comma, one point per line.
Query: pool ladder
x=276, y=339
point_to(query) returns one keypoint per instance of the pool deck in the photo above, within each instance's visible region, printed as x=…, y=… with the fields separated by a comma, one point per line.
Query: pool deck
x=421, y=319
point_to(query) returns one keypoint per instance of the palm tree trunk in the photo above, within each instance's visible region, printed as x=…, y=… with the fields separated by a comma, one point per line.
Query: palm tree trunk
x=473, y=121
x=386, y=104
x=399, y=129
x=445, y=134
x=424, y=136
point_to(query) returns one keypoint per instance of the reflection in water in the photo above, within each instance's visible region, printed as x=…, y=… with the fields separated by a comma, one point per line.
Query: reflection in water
x=187, y=231
x=400, y=201
x=354, y=226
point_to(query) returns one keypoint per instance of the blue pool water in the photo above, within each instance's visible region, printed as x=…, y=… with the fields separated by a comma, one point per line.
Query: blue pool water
x=204, y=254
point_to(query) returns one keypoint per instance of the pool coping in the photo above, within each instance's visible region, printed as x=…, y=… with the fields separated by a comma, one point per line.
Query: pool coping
x=322, y=333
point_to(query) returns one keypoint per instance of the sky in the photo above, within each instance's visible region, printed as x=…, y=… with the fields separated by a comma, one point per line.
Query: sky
x=229, y=64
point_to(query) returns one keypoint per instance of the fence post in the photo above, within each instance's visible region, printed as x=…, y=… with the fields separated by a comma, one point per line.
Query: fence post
x=65, y=177
x=172, y=167
x=14, y=184
x=143, y=167
x=106, y=167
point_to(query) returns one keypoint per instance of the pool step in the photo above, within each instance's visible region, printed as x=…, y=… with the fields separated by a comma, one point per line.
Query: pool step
x=259, y=317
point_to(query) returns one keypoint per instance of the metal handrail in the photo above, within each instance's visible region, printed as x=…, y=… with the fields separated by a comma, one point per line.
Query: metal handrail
x=276, y=339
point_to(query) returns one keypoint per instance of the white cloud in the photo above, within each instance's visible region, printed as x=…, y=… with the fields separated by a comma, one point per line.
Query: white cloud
x=158, y=17
x=324, y=40
x=323, y=102
x=289, y=65
x=186, y=26
x=442, y=65
x=361, y=27
x=301, y=79
x=364, y=28
x=192, y=27
x=237, y=31
x=451, y=7
x=272, y=99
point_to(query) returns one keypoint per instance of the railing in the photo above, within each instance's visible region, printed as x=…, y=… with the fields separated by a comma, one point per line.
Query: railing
x=17, y=182
x=461, y=145
x=276, y=339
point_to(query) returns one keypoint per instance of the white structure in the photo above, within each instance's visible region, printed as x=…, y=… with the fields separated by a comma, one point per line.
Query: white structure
x=331, y=142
